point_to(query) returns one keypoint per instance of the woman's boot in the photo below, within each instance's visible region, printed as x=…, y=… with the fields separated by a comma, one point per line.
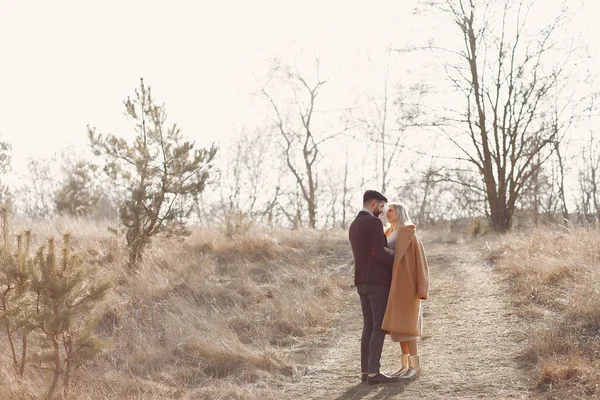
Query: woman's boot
x=413, y=367
x=403, y=368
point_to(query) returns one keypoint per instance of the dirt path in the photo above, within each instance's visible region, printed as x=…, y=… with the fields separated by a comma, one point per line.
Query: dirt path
x=468, y=350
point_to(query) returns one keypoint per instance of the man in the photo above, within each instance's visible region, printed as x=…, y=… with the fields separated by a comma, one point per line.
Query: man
x=372, y=277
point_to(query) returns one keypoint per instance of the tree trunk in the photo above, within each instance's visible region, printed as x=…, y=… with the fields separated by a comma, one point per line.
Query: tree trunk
x=11, y=344
x=501, y=217
x=345, y=192
x=68, y=364
x=56, y=371
x=312, y=214
x=23, y=355
x=425, y=201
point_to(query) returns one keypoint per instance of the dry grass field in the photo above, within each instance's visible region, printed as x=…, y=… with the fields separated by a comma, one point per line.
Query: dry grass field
x=273, y=315
x=554, y=277
x=208, y=317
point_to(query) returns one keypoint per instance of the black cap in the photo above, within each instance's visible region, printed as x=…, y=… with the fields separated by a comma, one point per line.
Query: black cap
x=373, y=194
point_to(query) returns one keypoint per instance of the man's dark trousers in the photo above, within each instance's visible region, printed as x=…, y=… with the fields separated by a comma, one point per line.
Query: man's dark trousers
x=373, y=300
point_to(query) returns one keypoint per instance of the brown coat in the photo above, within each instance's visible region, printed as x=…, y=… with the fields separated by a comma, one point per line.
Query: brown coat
x=410, y=284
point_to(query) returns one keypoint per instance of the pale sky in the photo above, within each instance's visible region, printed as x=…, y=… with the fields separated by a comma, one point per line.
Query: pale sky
x=68, y=63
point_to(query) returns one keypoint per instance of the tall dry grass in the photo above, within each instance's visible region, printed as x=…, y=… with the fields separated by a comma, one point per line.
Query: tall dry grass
x=208, y=317
x=555, y=277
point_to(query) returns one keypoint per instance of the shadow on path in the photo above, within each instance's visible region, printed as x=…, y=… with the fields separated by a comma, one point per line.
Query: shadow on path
x=383, y=391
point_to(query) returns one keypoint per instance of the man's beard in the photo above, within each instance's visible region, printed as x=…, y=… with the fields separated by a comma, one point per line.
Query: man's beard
x=376, y=213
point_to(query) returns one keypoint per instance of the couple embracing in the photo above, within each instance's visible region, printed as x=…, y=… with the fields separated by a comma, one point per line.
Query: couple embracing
x=391, y=277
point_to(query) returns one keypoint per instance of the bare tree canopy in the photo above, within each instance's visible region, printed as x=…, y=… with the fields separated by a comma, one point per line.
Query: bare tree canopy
x=384, y=119
x=301, y=138
x=503, y=72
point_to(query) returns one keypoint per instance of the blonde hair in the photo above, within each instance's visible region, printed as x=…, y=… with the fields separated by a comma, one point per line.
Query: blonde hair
x=403, y=218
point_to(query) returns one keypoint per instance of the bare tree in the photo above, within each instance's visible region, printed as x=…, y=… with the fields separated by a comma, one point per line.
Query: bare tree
x=37, y=193
x=589, y=181
x=6, y=197
x=346, y=189
x=385, y=117
x=291, y=207
x=301, y=138
x=540, y=198
x=567, y=107
x=251, y=188
x=503, y=73
x=561, y=179
x=341, y=183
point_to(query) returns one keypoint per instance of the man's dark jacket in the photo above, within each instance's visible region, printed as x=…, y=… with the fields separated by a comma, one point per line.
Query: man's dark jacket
x=371, y=262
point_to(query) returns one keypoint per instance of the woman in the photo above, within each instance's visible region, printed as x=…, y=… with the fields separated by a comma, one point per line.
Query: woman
x=410, y=285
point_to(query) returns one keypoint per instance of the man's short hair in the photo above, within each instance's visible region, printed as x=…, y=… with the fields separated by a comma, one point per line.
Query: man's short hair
x=373, y=194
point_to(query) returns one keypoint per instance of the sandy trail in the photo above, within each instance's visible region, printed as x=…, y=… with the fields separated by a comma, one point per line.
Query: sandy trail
x=469, y=349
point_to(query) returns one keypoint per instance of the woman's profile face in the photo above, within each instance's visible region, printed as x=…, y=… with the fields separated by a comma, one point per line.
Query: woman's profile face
x=390, y=215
